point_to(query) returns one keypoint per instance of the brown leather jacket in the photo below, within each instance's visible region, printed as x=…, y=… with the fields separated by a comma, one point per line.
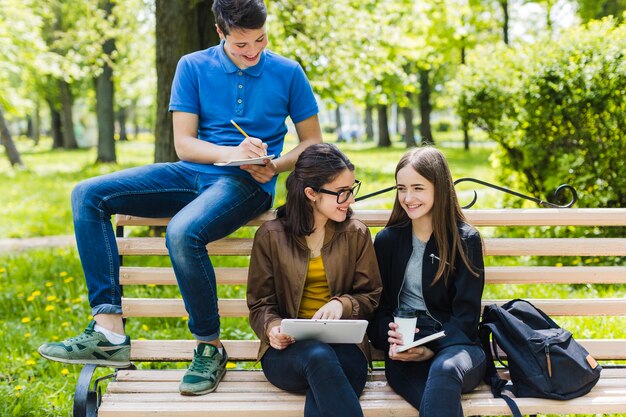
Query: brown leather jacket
x=278, y=268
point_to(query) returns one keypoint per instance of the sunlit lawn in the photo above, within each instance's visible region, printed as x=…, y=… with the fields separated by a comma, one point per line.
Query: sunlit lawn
x=43, y=294
x=36, y=200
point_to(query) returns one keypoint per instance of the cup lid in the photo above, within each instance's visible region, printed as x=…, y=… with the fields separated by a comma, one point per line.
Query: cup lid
x=404, y=313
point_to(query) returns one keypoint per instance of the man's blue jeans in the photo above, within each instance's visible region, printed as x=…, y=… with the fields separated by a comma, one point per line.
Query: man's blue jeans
x=204, y=207
x=434, y=386
x=332, y=375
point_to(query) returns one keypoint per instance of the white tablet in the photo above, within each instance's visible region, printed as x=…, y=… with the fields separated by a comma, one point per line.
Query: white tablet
x=419, y=342
x=238, y=162
x=328, y=331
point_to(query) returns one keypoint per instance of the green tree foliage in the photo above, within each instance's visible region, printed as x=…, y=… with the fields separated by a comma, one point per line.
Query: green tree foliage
x=596, y=9
x=557, y=110
x=24, y=57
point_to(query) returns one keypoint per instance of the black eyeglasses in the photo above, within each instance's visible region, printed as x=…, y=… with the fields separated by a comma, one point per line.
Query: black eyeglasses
x=343, y=195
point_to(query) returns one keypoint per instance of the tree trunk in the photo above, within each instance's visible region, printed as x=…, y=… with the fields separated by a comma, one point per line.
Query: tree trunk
x=132, y=114
x=55, y=126
x=338, y=124
x=466, y=137
x=425, y=108
x=36, y=120
x=464, y=122
x=121, y=120
x=505, y=20
x=7, y=141
x=195, y=29
x=67, y=126
x=409, y=134
x=136, y=125
x=396, y=112
x=548, y=17
x=369, y=123
x=105, y=98
x=29, y=127
x=383, y=127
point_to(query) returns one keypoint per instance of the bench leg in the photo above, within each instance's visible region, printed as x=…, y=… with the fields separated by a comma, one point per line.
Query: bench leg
x=86, y=400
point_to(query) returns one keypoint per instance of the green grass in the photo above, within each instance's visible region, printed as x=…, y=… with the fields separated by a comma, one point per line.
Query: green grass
x=36, y=200
x=43, y=296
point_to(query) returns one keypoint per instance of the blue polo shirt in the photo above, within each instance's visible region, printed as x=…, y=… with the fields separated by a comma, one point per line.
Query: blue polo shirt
x=259, y=99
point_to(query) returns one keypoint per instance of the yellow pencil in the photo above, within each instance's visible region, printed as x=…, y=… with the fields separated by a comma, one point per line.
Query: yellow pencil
x=238, y=128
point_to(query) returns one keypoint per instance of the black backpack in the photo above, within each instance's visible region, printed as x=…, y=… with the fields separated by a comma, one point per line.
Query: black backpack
x=544, y=360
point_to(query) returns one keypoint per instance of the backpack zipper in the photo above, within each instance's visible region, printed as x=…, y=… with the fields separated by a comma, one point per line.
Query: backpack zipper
x=547, y=350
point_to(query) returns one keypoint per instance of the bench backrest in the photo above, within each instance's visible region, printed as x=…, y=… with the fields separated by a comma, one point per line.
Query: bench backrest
x=501, y=274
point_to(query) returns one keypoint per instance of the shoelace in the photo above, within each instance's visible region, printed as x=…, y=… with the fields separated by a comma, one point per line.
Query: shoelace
x=201, y=364
x=86, y=334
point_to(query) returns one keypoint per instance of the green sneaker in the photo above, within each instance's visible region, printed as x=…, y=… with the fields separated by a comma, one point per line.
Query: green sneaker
x=91, y=347
x=206, y=371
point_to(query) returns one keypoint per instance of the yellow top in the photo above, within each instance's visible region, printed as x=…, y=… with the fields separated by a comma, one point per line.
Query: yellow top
x=316, y=292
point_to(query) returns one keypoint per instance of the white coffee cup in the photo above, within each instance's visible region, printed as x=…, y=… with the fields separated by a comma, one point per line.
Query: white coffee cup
x=406, y=319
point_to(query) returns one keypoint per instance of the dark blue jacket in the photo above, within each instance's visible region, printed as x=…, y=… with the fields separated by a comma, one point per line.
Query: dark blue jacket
x=455, y=305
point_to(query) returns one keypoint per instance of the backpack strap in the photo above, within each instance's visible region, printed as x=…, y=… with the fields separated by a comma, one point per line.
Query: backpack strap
x=512, y=405
x=492, y=378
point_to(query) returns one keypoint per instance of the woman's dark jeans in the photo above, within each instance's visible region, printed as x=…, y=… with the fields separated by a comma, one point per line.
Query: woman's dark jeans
x=434, y=386
x=332, y=376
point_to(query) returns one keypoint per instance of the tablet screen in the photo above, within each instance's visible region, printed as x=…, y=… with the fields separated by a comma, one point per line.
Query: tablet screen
x=328, y=331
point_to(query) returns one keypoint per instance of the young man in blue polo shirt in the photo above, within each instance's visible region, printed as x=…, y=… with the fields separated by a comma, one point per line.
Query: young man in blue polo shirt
x=237, y=80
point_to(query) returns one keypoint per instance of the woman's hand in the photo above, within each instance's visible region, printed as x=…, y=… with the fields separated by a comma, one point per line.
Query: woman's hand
x=416, y=354
x=395, y=338
x=332, y=310
x=278, y=340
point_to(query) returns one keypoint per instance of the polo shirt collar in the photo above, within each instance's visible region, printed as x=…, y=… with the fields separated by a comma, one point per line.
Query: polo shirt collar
x=229, y=67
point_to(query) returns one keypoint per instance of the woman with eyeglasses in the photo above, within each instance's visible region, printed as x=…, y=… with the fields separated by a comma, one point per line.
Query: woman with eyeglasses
x=314, y=262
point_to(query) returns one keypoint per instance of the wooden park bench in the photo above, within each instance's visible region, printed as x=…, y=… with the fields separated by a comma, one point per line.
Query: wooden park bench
x=245, y=392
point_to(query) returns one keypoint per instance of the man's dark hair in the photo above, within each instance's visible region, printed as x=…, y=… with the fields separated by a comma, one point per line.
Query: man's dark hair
x=239, y=14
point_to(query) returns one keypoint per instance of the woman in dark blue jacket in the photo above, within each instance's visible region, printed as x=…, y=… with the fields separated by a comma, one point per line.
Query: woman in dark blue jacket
x=431, y=261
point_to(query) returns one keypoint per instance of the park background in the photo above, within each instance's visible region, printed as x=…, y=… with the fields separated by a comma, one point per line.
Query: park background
x=525, y=94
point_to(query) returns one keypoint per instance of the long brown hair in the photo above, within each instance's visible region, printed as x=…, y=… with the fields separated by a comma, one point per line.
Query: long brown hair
x=317, y=165
x=430, y=163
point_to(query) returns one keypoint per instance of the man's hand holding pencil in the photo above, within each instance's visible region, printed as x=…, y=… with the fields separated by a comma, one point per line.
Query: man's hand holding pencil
x=252, y=147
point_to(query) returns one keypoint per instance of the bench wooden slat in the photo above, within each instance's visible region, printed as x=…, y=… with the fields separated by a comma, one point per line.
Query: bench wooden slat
x=257, y=391
x=598, y=400
x=399, y=408
x=182, y=350
x=555, y=275
x=493, y=246
x=548, y=217
x=134, y=275
x=555, y=247
x=246, y=350
x=173, y=307
x=156, y=246
x=491, y=217
x=493, y=275
x=610, y=376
